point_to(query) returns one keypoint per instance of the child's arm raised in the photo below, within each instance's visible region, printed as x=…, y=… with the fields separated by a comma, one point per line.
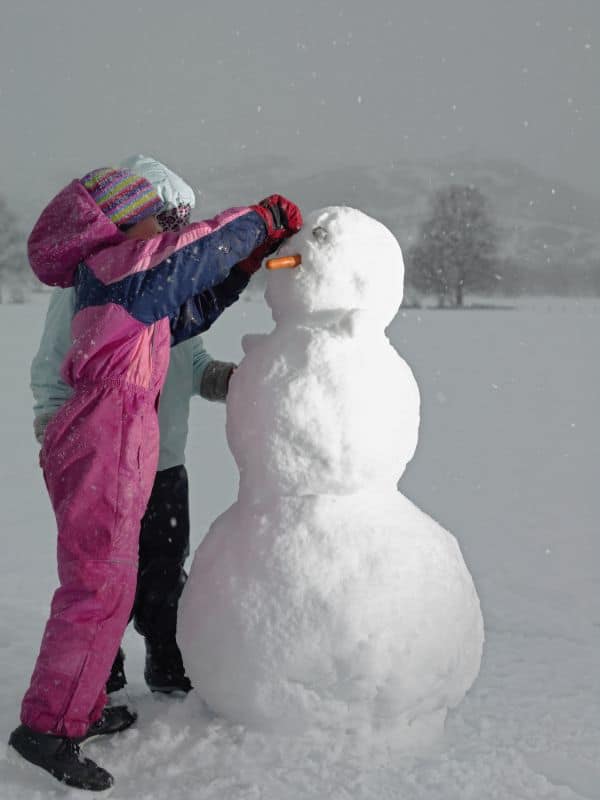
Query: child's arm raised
x=153, y=279
x=282, y=218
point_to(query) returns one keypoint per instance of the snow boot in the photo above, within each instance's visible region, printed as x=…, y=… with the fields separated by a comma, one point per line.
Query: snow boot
x=60, y=757
x=117, y=680
x=164, y=671
x=114, y=719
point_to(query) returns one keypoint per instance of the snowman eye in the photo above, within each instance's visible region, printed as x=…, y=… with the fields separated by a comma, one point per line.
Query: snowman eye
x=320, y=234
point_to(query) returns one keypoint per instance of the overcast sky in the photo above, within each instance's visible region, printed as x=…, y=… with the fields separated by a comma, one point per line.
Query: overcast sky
x=83, y=84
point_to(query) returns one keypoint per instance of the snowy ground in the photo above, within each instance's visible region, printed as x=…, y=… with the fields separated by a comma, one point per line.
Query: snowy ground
x=508, y=460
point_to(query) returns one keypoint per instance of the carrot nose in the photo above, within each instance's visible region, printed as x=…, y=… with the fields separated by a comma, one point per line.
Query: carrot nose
x=283, y=262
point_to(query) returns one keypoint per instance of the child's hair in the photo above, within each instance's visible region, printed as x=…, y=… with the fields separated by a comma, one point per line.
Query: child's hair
x=127, y=226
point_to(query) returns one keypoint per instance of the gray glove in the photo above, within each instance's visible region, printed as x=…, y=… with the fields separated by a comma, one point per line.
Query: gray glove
x=39, y=426
x=215, y=380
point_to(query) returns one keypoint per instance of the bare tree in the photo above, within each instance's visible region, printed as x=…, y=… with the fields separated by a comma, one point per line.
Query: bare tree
x=456, y=247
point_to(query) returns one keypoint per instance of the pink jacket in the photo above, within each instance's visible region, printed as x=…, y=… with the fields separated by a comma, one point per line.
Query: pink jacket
x=132, y=294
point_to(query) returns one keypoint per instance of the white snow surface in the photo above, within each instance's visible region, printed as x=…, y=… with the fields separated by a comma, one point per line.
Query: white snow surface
x=508, y=458
x=323, y=598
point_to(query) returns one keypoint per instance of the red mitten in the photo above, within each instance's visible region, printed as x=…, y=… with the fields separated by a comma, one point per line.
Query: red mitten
x=282, y=217
x=252, y=263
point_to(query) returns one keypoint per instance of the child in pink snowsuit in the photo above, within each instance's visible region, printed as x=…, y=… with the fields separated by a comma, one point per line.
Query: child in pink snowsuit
x=134, y=298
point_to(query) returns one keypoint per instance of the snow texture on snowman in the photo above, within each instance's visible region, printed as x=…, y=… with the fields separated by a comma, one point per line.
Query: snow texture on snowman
x=323, y=598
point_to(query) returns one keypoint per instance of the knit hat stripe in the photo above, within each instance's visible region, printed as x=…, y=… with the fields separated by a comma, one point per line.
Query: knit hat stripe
x=113, y=189
x=125, y=198
x=95, y=177
x=146, y=207
x=130, y=193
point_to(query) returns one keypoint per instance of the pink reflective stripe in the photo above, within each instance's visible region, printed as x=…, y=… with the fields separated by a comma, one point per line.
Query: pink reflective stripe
x=133, y=256
x=139, y=371
x=110, y=320
x=108, y=343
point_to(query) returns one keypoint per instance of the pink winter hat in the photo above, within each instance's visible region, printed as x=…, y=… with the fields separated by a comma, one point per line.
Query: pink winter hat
x=122, y=196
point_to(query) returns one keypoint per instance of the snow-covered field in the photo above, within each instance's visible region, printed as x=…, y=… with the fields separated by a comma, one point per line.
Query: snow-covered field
x=508, y=461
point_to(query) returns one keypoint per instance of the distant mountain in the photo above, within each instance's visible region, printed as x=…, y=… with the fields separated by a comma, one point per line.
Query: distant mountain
x=543, y=221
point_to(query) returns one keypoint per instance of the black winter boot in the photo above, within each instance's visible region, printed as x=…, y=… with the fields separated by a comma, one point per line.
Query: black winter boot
x=164, y=671
x=114, y=719
x=60, y=757
x=117, y=680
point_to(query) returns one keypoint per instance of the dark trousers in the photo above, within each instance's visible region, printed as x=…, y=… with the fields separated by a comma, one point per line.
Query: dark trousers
x=164, y=546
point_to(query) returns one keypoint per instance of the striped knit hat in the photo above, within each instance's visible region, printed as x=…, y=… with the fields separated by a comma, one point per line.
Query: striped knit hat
x=123, y=197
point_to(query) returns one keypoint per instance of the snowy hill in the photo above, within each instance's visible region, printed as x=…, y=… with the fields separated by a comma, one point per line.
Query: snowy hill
x=543, y=221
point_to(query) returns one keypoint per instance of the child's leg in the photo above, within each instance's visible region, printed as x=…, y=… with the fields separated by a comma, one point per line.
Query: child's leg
x=98, y=464
x=164, y=546
x=88, y=616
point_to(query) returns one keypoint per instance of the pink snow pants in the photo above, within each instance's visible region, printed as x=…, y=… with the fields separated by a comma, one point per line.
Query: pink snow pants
x=99, y=459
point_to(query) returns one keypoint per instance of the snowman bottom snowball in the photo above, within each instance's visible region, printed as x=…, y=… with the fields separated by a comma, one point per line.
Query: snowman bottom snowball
x=349, y=612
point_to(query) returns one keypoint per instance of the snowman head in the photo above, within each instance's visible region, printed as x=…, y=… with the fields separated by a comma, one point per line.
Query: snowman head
x=350, y=261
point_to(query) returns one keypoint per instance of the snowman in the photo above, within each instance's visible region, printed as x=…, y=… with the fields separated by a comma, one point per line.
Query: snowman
x=323, y=598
